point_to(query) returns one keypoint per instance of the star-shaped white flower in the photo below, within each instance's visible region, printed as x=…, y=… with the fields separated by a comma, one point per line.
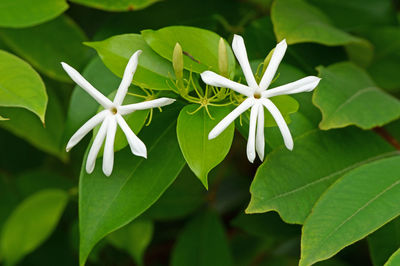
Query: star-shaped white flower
x=110, y=117
x=257, y=97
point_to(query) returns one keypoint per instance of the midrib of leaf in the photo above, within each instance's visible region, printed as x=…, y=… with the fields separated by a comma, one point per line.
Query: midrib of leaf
x=323, y=241
x=381, y=156
x=126, y=180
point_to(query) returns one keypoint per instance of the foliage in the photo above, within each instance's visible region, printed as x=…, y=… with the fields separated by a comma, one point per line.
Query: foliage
x=332, y=200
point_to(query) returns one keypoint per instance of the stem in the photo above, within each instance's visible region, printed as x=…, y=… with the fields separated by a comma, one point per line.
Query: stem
x=386, y=136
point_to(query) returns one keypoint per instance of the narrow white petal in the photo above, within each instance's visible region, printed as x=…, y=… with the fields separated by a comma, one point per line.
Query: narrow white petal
x=280, y=121
x=96, y=145
x=302, y=85
x=127, y=109
x=239, y=49
x=224, y=123
x=251, y=142
x=130, y=70
x=216, y=80
x=108, y=155
x=84, y=84
x=83, y=130
x=137, y=146
x=273, y=65
x=260, y=141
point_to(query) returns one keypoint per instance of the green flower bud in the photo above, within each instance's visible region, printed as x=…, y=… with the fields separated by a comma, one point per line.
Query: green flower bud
x=177, y=61
x=266, y=62
x=222, y=58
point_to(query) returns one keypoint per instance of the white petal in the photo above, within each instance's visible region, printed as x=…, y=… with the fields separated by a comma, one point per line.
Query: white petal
x=130, y=70
x=127, y=109
x=239, y=49
x=108, y=155
x=216, y=80
x=280, y=121
x=260, y=141
x=84, y=84
x=224, y=123
x=83, y=130
x=96, y=145
x=251, y=149
x=273, y=65
x=137, y=146
x=302, y=85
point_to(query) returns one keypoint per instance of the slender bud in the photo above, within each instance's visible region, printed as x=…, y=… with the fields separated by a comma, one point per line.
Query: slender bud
x=177, y=61
x=222, y=58
x=266, y=61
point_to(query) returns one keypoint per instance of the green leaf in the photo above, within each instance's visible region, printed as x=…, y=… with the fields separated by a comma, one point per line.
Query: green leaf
x=116, y=51
x=394, y=259
x=200, y=47
x=183, y=197
x=345, y=96
x=133, y=238
x=46, y=45
x=290, y=182
x=120, y=5
x=31, y=223
x=384, y=242
x=28, y=126
x=202, y=243
x=21, y=86
x=200, y=153
x=308, y=24
x=25, y=13
x=106, y=204
x=356, y=205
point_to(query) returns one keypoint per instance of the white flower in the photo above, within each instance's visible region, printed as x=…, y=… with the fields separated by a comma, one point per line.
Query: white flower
x=110, y=117
x=257, y=97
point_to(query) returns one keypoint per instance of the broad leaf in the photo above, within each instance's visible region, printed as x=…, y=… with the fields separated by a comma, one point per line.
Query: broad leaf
x=394, y=259
x=133, y=238
x=202, y=154
x=121, y=5
x=116, y=51
x=31, y=223
x=25, y=13
x=346, y=96
x=28, y=126
x=106, y=204
x=290, y=182
x=21, y=86
x=356, y=205
x=49, y=44
x=183, y=197
x=200, y=47
x=308, y=24
x=202, y=243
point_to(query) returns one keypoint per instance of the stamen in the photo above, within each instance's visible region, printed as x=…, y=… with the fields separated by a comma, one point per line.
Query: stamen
x=114, y=110
x=257, y=95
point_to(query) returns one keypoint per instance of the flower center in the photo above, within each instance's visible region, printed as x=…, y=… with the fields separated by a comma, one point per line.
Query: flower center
x=257, y=95
x=114, y=110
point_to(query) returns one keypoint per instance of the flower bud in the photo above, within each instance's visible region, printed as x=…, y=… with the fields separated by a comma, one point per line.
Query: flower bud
x=177, y=61
x=222, y=58
x=266, y=61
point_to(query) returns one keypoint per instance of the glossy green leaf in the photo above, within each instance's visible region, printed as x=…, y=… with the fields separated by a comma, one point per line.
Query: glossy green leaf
x=394, y=259
x=46, y=45
x=119, y=5
x=308, y=24
x=200, y=47
x=346, y=96
x=153, y=71
x=384, y=242
x=31, y=223
x=182, y=198
x=202, y=243
x=28, y=126
x=106, y=204
x=202, y=154
x=21, y=86
x=133, y=238
x=290, y=182
x=356, y=205
x=25, y=13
